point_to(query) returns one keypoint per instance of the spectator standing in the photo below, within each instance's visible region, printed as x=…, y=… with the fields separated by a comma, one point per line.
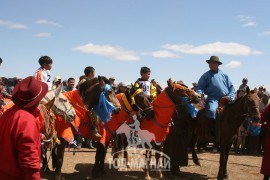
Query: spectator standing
x=19, y=132
x=264, y=103
x=70, y=85
x=56, y=82
x=244, y=85
x=43, y=73
x=122, y=87
x=265, y=167
x=262, y=89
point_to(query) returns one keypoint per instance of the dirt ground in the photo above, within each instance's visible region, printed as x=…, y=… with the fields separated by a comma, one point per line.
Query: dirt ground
x=240, y=167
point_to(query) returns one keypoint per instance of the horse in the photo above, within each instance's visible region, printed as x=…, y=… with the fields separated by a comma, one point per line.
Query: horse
x=164, y=106
x=54, y=102
x=144, y=109
x=176, y=145
x=230, y=119
x=108, y=129
x=92, y=89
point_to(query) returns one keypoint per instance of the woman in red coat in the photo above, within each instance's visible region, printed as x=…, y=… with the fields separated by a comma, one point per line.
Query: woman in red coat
x=265, y=168
x=20, y=133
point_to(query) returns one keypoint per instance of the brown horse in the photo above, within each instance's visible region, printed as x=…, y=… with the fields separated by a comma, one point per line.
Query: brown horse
x=230, y=120
x=144, y=109
x=108, y=129
x=164, y=106
x=89, y=92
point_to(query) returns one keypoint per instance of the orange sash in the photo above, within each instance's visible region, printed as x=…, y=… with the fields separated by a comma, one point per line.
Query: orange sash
x=164, y=109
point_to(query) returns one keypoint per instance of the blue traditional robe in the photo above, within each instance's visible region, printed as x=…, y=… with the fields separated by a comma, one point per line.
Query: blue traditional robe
x=215, y=85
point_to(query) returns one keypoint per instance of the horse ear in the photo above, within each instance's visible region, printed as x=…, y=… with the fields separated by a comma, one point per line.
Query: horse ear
x=58, y=90
x=247, y=90
x=170, y=83
x=101, y=82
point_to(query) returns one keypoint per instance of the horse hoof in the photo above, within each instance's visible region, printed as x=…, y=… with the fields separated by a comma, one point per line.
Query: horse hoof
x=226, y=176
x=147, y=178
x=128, y=165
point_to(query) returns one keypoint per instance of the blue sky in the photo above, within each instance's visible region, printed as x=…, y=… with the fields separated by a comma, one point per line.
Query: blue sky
x=172, y=37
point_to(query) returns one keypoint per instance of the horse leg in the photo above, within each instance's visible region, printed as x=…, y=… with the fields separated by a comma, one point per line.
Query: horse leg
x=117, y=147
x=193, y=141
x=102, y=162
x=125, y=144
x=96, y=171
x=157, y=156
x=59, y=159
x=147, y=164
x=225, y=172
x=45, y=167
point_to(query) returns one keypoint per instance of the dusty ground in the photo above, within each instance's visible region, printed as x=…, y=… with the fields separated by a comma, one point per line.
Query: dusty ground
x=239, y=167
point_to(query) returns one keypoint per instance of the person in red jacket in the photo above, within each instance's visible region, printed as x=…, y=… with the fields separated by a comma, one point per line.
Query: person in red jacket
x=265, y=167
x=20, y=133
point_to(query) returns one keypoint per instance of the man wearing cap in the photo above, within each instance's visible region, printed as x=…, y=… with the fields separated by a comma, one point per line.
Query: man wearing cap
x=215, y=84
x=19, y=132
x=122, y=87
x=56, y=82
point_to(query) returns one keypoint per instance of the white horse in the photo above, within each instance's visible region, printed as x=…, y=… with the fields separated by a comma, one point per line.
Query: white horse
x=61, y=106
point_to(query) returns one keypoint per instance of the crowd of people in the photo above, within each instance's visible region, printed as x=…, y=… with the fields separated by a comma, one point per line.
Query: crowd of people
x=22, y=138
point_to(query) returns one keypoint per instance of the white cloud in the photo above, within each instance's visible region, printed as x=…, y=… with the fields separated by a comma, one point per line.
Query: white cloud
x=12, y=25
x=162, y=54
x=43, y=35
x=46, y=22
x=247, y=21
x=229, y=48
x=233, y=64
x=266, y=33
x=107, y=50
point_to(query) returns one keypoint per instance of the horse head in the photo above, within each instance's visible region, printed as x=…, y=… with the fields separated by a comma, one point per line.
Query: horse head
x=142, y=104
x=59, y=104
x=252, y=102
x=91, y=92
x=177, y=92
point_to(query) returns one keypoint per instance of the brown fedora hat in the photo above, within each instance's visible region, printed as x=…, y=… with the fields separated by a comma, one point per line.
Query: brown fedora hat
x=29, y=92
x=214, y=59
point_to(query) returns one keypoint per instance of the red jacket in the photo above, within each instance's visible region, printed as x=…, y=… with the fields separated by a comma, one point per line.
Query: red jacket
x=20, y=144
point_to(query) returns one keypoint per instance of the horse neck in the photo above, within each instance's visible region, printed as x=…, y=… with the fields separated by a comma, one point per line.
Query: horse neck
x=239, y=106
x=163, y=107
x=47, y=119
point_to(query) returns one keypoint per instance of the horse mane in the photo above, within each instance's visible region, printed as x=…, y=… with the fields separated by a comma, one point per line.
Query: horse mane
x=170, y=94
x=128, y=96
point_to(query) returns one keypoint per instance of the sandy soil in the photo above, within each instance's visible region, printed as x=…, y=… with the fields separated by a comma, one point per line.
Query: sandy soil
x=240, y=167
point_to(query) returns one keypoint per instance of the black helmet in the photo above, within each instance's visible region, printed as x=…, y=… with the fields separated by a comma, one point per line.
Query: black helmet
x=245, y=79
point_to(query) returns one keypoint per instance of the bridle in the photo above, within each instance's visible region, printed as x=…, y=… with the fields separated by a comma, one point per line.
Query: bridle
x=60, y=112
x=141, y=111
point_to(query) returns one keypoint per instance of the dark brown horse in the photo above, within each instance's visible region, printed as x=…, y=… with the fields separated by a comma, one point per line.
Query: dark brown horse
x=90, y=92
x=108, y=129
x=230, y=120
x=164, y=106
x=176, y=145
x=144, y=109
